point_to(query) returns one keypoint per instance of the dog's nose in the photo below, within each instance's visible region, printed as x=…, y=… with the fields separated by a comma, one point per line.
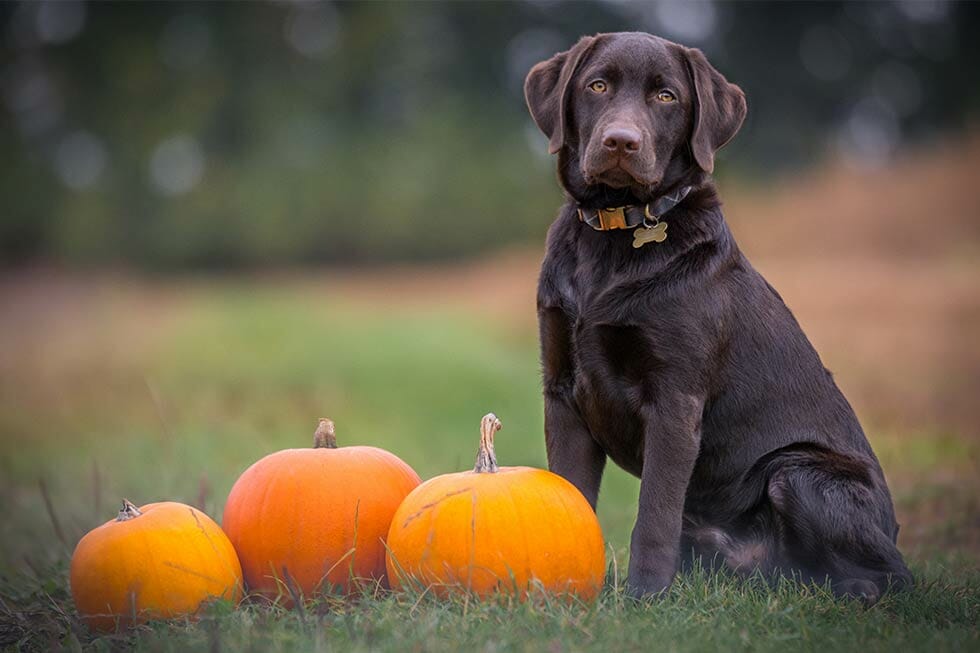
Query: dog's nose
x=623, y=139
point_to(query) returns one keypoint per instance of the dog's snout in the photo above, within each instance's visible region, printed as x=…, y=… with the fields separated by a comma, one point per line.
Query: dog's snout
x=622, y=139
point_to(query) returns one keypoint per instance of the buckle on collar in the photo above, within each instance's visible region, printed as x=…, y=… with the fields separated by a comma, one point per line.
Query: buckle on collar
x=609, y=218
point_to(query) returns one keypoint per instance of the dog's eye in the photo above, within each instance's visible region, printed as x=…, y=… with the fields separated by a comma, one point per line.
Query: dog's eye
x=666, y=96
x=598, y=86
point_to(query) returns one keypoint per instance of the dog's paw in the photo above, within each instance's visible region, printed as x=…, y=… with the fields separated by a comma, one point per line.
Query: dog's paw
x=858, y=588
x=647, y=588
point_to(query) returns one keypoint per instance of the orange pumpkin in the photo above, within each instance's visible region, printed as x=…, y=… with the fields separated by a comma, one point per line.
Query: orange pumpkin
x=159, y=561
x=303, y=520
x=506, y=529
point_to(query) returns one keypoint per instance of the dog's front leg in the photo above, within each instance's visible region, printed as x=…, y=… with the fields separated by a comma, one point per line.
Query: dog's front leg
x=672, y=436
x=572, y=451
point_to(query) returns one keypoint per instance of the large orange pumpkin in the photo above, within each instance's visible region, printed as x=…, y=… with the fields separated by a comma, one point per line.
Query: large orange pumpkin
x=307, y=520
x=159, y=561
x=507, y=529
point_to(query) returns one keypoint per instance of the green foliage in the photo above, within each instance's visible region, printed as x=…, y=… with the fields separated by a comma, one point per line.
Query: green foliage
x=303, y=133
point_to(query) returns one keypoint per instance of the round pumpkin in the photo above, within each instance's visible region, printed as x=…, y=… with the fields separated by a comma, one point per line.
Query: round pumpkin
x=507, y=529
x=307, y=520
x=156, y=562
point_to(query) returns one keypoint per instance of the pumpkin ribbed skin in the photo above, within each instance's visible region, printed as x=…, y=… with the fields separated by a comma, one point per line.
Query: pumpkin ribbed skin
x=497, y=531
x=300, y=509
x=162, y=563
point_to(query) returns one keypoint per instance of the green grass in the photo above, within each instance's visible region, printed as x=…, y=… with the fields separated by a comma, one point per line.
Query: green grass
x=701, y=612
x=233, y=371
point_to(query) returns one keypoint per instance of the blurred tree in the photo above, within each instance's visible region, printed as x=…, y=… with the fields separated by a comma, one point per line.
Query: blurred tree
x=223, y=134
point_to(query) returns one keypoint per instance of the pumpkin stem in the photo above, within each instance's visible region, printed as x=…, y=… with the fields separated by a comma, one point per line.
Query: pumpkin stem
x=325, y=437
x=129, y=511
x=486, y=457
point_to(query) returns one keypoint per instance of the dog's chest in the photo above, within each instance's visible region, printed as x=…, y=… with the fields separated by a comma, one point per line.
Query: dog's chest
x=613, y=353
x=622, y=332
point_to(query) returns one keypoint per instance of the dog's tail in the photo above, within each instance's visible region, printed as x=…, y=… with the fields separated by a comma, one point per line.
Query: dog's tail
x=743, y=554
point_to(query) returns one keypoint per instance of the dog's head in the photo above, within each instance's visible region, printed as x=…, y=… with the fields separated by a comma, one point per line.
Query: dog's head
x=630, y=113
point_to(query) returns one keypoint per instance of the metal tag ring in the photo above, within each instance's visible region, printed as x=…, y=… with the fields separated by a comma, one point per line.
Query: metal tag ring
x=647, y=216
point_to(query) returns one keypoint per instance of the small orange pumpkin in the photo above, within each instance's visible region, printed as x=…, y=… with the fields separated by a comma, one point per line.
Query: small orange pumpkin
x=306, y=519
x=492, y=529
x=156, y=562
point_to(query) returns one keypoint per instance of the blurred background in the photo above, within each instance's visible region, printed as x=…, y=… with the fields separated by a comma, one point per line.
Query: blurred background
x=221, y=221
x=221, y=135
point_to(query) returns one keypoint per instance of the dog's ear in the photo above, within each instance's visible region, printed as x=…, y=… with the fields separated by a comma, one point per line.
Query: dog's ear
x=719, y=109
x=546, y=90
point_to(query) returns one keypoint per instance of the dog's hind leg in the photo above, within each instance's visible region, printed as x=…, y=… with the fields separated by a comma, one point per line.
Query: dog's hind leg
x=837, y=521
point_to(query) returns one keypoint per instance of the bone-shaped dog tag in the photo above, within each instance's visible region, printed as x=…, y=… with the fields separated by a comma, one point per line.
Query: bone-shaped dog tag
x=657, y=233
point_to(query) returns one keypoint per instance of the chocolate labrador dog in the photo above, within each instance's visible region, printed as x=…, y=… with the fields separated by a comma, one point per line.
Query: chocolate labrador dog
x=663, y=349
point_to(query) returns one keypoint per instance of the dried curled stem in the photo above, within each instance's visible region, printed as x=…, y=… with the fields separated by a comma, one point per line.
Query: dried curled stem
x=486, y=457
x=325, y=437
x=128, y=511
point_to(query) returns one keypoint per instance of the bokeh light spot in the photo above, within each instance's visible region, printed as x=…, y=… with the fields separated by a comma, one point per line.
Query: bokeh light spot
x=79, y=160
x=528, y=48
x=177, y=165
x=59, y=22
x=924, y=11
x=871, y=133
x=311, y=29
x=31, y=96
x=687, y=20
x=185, y=41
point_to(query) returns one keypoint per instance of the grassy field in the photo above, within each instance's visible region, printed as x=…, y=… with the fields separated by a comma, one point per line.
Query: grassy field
x=113, y=386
